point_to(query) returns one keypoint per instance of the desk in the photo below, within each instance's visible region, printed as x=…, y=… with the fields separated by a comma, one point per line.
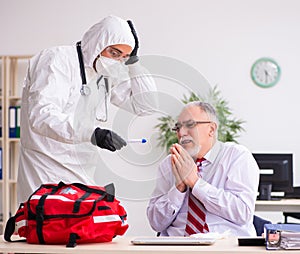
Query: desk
x=283, y=205
x=122, y=245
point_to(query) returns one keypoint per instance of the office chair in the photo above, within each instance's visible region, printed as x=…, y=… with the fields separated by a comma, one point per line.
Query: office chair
x=294, y=194
x=292, y=215
x=259, y=224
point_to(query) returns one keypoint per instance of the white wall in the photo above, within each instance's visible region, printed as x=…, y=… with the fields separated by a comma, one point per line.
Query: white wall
x=221, y=39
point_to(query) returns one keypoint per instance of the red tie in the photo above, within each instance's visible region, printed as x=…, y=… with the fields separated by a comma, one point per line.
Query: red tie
x=196, y=213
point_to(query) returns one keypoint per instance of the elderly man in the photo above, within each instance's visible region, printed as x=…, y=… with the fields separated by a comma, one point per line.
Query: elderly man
x=204, y=185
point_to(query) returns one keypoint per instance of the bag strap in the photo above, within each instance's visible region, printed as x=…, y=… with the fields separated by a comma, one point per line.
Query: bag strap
x=110, y=190
x=88, y=189
x=72, y=240
x=40, y=213
x=77, y=203
x=40, y=218
x=109, y=193
x=52, y=189
x=10, y=226
x=10, y=229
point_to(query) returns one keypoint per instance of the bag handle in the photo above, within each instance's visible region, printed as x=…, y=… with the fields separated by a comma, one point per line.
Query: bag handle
x=77, y=203
x=109, y=194
x=10, y=229
x=10, y=226
x=110, y=190
x=93, y=190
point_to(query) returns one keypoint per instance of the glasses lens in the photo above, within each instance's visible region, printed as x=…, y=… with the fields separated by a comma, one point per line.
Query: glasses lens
x=190, y=124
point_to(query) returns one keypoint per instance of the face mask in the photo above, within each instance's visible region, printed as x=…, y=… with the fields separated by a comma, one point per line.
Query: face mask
x=108, y=66
x=115, y=70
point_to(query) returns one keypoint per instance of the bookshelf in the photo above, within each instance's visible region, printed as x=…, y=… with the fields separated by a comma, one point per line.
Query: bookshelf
x=12, y=74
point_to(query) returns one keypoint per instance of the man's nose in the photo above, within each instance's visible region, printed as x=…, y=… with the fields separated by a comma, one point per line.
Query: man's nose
x=182, y=131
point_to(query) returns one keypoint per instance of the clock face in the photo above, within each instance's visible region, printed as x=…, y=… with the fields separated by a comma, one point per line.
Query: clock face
x=265, y=72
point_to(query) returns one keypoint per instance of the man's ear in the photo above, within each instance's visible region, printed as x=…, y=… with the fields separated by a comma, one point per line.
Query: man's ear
x=213, y=128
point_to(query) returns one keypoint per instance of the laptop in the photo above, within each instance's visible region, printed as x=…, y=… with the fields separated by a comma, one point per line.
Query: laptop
x=172, y=240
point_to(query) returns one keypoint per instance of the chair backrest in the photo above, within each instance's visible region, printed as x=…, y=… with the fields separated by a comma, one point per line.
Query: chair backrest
x=292, y=215
x=259, y=224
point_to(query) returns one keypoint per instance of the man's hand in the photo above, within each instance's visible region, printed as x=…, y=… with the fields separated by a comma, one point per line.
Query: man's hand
x=184, y=167
x=107, y=139
x=180, y=185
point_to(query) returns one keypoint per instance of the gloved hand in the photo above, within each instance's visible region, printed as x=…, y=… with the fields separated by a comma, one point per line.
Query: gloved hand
x=107, y=139
x=133, y=58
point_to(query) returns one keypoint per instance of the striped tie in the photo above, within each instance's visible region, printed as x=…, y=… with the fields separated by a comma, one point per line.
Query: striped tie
x=196, y=216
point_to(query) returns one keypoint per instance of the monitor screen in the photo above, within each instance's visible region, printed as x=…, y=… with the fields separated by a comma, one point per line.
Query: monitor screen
x=276, y=174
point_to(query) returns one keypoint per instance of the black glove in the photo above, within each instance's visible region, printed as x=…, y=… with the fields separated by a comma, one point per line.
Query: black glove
x=133, y=58
x=107, y=139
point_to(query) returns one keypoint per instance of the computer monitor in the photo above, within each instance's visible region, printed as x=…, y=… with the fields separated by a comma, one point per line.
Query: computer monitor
x=276, y=174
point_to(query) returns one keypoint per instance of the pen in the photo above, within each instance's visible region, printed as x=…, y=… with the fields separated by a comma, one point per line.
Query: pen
x=137, y=140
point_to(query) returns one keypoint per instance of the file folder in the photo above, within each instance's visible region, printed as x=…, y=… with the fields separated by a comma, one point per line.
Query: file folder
x=0, y=162
x=282, y=236
x=0, y=121
x=18, y=116
x=12, y=122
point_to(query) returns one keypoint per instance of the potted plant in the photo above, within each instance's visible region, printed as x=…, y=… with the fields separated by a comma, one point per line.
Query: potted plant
x=229, y=127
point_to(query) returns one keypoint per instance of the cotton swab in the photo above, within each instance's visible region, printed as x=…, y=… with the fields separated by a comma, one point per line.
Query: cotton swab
x=137, y=140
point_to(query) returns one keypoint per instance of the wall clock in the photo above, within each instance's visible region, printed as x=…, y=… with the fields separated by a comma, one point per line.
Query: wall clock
x=265, y=72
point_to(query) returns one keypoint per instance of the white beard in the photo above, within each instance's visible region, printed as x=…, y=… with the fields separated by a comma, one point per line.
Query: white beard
x=192, y=150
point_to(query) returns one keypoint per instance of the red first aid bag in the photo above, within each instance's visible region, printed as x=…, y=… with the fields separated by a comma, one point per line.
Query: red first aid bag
x=69, y=214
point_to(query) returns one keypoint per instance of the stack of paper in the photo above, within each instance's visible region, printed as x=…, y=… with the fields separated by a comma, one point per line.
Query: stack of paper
x=290, y=240
x=282, y=236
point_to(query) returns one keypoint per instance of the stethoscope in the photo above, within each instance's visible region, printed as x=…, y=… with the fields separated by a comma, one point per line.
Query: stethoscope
x=85, y=90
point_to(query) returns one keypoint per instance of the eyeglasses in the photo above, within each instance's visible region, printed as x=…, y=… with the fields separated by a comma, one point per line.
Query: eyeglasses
x=116, y=54
x=188, y=124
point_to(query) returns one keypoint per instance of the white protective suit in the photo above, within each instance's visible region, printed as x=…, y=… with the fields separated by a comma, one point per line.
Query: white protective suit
x=52, y=147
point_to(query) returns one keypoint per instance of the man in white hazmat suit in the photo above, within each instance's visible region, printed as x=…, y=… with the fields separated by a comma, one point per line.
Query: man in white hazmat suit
x=52, y=149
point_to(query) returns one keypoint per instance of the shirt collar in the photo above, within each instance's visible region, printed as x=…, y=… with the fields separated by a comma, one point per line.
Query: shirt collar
x=211, y=155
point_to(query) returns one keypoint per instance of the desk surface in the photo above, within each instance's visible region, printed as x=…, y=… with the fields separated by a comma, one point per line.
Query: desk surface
x=283, y=205
x=122, y=245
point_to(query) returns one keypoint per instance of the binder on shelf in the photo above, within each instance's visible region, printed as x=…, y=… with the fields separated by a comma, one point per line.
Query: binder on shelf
x=282, y=236
x=18, y=116
x=0, y=163
x=12, y=122
x=0, y=121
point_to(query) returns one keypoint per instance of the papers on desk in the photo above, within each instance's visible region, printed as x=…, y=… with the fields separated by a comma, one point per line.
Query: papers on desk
x=290, y=240
x=213, y=235
x=282, y=236
x=172, y=240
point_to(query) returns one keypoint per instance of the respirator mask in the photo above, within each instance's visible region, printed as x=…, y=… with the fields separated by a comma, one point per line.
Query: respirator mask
x=115, y=70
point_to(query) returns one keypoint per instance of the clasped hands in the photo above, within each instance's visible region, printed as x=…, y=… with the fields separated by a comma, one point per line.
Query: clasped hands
x=184, y=168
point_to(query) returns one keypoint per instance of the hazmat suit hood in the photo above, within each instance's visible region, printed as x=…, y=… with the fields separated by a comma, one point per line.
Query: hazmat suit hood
x=111, y=30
